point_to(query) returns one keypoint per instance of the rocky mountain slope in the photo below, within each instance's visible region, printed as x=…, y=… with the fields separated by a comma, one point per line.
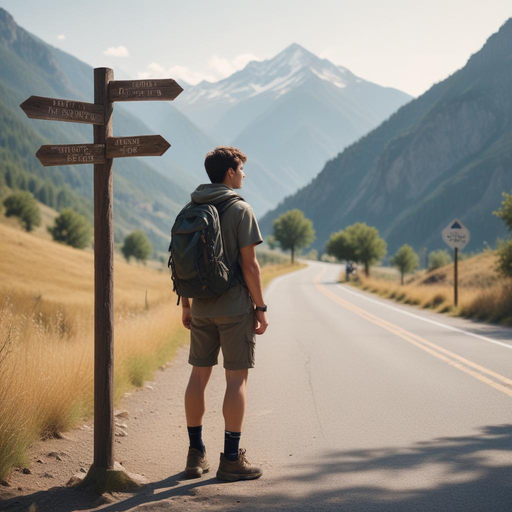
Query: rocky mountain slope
x=446, y=154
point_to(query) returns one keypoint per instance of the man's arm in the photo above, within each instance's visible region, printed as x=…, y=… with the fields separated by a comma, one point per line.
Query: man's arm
x=252, y=275
x=185, y=312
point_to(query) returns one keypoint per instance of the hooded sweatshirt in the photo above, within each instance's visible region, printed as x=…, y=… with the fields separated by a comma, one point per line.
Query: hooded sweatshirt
x=239, y=229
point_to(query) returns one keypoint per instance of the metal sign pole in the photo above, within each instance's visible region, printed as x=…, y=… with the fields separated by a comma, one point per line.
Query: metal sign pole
x=456, y=277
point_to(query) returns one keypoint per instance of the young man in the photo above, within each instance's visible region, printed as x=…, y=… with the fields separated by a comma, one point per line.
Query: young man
x=228, y=322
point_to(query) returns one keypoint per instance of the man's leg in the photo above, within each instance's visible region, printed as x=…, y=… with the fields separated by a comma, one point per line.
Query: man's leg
x=195, y=403
x=234, y=411
x=235, y=399
x=233, y=462
x=194, y=409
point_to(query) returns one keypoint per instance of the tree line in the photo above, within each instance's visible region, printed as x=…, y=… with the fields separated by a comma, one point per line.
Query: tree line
x=361, y=244
x=292, y=231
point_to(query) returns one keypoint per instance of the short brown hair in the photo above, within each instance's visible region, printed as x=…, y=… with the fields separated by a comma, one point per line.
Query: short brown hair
x=220, y=160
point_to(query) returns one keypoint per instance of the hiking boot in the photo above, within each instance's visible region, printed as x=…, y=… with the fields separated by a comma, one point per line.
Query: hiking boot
x=197, y=464
x=239, y=469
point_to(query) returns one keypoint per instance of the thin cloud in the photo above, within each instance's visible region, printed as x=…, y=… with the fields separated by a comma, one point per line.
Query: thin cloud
x=218, y=68
x=119, y=51
x=61, y=37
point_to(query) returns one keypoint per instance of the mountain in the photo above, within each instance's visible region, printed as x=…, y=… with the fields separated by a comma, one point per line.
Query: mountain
x=446, y=154
x=289, y=114
x=143, y=198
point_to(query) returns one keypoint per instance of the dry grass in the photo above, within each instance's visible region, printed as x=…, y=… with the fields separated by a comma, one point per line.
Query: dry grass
x=483, y=294
x=46, y=336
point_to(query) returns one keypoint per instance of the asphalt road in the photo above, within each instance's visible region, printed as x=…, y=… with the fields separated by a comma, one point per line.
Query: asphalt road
x=360, y=404
x=355, y=404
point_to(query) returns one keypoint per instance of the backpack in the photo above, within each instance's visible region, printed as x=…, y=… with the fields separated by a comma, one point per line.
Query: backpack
x=198, y=264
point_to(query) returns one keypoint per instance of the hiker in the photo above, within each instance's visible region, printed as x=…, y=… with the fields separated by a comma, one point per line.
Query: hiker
x=228, y=321
x=348, y=270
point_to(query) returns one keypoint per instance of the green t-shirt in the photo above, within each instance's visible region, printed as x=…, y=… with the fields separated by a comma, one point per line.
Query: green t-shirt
x=239, y=229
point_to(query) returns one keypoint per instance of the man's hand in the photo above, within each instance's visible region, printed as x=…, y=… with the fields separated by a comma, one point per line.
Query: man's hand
x=185, y=316
x=260, y=322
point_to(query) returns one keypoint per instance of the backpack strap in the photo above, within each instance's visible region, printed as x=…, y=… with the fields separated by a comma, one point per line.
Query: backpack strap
x=225, y=205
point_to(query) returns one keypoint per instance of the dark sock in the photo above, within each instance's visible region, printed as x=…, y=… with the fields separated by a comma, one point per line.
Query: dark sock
x=231, y=444
x=196, y=438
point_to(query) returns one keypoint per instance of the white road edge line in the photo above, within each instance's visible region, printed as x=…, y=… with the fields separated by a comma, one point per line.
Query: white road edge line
x=428, y=320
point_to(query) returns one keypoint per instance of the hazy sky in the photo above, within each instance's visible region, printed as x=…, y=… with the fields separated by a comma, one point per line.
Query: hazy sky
x=398, y=43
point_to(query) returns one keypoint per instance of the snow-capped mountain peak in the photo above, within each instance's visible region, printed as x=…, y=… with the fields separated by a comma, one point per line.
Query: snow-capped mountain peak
x=288, y=69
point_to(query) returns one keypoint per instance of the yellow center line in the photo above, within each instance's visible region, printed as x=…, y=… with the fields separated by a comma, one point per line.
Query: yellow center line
x=441, y=353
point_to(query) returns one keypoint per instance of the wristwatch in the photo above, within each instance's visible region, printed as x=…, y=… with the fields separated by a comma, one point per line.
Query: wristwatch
x=261, y=308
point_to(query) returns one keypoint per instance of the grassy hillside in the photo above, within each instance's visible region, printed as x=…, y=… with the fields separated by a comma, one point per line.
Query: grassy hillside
x=483, y=293
x=143, y=198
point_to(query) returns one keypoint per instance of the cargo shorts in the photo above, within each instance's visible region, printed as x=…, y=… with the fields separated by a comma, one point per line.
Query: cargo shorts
x=234, y=334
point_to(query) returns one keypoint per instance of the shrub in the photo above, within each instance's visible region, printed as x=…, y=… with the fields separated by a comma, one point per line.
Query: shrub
x=136, y=245
x=504, y=266
x=72, y=229
x=25, y=207
x=438, y=259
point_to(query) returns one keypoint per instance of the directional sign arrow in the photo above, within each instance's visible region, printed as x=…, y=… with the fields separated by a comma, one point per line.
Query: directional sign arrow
x=141, y=145
x=165, y=89
x=54, y=109
x=71, y=154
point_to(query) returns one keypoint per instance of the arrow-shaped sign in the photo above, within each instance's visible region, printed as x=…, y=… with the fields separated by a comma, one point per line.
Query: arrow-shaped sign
x=71, y=154
x=54, y=109
x=141, y=145
x=164, y=89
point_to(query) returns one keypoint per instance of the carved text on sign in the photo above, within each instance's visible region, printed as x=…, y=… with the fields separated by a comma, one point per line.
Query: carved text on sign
x=54, y=109
x=129, y=146
x=144, y=90
x=70, y=154
x=141, y=145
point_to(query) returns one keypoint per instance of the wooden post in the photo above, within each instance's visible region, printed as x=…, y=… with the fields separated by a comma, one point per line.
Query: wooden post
x=103, y=283
x=105, y=474
x=456, y=277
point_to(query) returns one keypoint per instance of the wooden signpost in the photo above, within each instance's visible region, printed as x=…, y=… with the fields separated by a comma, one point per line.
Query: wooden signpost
x=101, y=153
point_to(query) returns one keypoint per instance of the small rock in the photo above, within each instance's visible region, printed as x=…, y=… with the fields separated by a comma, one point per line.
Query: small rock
x=26, y=471
x=121, y=433
x=32, y=508
x=20, y=488
x=40, y=461
x=55, y=455
x=147, y=386
x=82, y=470
x=122, y=414
x=47, y=475
x=121, y=425
x=86, y=427
x=5, y=483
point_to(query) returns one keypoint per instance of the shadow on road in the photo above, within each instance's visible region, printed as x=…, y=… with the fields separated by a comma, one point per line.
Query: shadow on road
x=471, y=473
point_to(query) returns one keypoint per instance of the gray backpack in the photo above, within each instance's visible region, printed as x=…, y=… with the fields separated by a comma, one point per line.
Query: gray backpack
x=197, y=262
